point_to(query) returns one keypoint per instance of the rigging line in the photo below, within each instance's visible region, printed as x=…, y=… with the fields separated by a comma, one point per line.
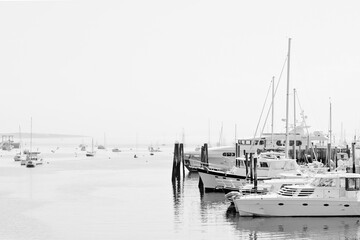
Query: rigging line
x=277, y=85
x=262, y=111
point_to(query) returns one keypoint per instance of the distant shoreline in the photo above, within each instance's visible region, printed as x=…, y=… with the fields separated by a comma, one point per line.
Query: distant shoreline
x=42, y=135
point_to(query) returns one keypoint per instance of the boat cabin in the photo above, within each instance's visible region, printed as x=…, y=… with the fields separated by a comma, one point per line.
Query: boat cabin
x=332, y=185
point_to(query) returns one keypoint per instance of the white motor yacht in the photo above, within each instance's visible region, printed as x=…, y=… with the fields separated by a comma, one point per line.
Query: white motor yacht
x=331, y=194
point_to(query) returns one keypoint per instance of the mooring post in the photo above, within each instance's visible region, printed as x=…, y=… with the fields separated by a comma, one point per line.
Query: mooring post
x=312, y=153
x=353, y=156
x=335, y=158
x=176, y=155
x=182, y=158
x=237, y=150
x=202, y=156
x=246, y=164
x=206, y=157
x=328, y=155
x=255, y=174
x=251, y=168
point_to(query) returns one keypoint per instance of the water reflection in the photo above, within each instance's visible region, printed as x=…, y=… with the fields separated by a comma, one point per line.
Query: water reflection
x=295, y=227
x=178, y=192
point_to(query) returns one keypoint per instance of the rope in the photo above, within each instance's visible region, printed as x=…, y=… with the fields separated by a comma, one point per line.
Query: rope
x=277, y=86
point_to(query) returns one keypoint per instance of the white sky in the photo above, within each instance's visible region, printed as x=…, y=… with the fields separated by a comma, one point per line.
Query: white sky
x=157, y=67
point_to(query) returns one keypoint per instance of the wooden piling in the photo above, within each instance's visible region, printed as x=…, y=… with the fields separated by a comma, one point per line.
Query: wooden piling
x=206, y=152
x=246, y=164
x=237, y=150
x=328, y=155
x=335, y=158
x=255, y=173
x=251, y=168
x=353, y=156
x=174, y=174
x=182, y=158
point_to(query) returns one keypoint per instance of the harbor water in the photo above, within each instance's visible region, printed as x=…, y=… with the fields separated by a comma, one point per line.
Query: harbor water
x=116, y=196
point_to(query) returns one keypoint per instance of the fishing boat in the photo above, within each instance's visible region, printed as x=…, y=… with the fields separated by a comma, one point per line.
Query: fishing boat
x=332, y=194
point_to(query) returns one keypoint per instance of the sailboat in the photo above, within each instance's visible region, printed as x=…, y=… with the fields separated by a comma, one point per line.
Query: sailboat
x=32, y=158
x=92, y=153
x=19, y=156
x=135, y=156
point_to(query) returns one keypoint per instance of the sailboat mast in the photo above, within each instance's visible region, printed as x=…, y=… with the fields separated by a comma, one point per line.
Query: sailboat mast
x=294, y=146
x=287, y=102
x=272, y=112
x=209, y=141
x=20, y=139
x=330, y=127
x=30, y=136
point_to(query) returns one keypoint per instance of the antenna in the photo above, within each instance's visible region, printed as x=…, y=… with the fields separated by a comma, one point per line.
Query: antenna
x=287, y=101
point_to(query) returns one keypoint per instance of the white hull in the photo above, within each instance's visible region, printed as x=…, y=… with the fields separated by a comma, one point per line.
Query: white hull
x=218, y=182
x=298, y=207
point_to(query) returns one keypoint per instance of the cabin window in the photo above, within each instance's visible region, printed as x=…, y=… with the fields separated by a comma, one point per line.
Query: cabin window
x=279, y=143
x=241, y=163
x=352, y=184
x=298, y=143
x=228, y=154
x=264, y=164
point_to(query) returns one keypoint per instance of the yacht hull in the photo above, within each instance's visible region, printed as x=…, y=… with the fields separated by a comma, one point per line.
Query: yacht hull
x=299, y=207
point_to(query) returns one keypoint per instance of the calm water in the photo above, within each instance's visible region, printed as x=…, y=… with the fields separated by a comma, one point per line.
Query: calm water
x=114, y=196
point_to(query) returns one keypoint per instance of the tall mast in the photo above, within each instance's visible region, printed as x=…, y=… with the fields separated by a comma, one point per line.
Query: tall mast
x=287, y=101
x=330, y=127
x=20, y=139
x=272, y=112
x=294, y=146
x=235, y=134
x=209, y=133
x=30, y=137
